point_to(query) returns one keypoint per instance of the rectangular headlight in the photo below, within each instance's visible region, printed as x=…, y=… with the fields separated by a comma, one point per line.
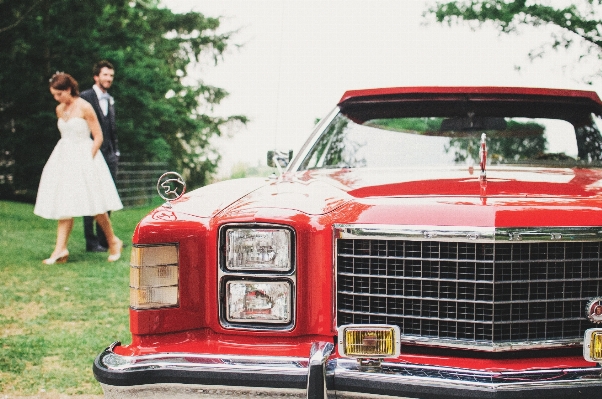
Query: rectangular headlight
x=154, y=274
x=592, y=345
x=369, y=341
x=259, y=249
x=258, y=301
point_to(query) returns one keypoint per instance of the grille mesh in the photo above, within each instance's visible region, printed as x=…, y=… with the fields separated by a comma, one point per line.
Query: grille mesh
x=486, y=294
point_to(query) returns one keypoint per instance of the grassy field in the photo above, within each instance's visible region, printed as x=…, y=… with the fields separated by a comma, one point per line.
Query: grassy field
x=54, y=320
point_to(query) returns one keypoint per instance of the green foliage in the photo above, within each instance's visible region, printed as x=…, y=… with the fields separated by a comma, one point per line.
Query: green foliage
x=409, y=124
x=517, y=141
x=242, y=170
x=335, y=149
x=578, y=23
x=163, y=113
x=54, y=320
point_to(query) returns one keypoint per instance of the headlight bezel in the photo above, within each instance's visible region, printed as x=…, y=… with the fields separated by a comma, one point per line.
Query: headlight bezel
x=223, y=248
x=255, y=276
x=230, y=318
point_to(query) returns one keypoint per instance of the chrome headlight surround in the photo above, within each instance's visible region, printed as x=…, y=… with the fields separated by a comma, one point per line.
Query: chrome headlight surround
x=257, y=249
x=257, y=276
x=267, y=301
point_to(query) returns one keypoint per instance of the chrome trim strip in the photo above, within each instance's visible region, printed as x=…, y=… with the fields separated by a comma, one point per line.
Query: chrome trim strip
x=205, y=363
x=467, y=233
x=491, y=347
x=311, y=141
x=450, y=377
x=316, y=376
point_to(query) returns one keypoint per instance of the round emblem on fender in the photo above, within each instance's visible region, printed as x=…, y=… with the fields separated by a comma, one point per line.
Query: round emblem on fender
x=171, y=186
x=593, y=310
x=164, y=214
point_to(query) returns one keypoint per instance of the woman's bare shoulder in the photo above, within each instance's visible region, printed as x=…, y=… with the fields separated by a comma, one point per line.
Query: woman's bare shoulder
x=59, y=109
x=84, y=104
x=87, y=109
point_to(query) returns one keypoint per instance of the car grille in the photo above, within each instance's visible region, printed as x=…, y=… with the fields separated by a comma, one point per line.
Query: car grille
x=490, y=295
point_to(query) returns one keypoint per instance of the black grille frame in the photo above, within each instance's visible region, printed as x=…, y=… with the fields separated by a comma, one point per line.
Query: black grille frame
x=498, y=290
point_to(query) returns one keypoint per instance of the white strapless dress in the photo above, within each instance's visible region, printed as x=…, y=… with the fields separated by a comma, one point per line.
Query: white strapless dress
x=73, y=183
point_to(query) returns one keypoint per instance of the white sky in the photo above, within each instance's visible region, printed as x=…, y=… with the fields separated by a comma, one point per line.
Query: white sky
x=300, y=56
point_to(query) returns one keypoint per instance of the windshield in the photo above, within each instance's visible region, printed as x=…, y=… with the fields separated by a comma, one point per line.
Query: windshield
x=437, y=141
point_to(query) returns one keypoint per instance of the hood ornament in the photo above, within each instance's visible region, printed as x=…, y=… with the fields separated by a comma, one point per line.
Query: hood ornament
x=483, y=164
x=171, y=186
x=483, y=156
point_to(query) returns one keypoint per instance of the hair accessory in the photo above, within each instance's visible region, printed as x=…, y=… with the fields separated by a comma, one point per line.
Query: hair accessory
x=55, y=75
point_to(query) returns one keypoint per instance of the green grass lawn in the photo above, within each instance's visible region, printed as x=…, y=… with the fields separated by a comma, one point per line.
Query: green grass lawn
x=55, y=319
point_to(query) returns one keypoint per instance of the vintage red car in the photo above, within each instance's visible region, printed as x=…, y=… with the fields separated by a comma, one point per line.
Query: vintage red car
x=425, y=242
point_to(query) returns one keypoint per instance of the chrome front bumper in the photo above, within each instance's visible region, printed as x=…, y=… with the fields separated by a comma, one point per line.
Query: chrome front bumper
x=186, y=375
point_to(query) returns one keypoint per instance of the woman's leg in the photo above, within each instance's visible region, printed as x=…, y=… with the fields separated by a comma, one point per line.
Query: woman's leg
x=115, y=244
x=63, y=232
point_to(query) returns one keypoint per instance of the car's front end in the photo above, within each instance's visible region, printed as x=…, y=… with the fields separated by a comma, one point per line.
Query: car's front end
x=425, y=243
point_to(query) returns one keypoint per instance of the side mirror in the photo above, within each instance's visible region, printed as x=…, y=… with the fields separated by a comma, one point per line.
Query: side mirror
x=279, y=159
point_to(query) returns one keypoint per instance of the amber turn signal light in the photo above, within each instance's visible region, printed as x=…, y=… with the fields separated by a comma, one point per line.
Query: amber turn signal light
x=369, y=341
x=592, y=345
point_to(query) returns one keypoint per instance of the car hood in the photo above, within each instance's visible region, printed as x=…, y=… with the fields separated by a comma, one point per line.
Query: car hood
x=499, y=182
x=432, y=196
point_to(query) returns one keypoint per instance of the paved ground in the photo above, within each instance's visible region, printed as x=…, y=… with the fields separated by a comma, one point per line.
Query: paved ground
x=52, y=396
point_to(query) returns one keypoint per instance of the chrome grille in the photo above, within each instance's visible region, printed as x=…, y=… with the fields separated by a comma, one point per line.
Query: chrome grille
x=489, y=294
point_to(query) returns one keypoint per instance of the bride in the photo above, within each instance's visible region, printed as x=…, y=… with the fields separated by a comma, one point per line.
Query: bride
x=76, y=180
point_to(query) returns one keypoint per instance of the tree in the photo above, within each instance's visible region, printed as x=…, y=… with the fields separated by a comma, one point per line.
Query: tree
x=163, y=112
x=574, y=23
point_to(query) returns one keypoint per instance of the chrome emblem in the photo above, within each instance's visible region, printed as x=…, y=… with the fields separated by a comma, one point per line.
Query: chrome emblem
x=166, y=215
x=593, y=310
x=171, y=186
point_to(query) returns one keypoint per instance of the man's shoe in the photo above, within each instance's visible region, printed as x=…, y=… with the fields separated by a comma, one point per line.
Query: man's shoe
x=98, y=248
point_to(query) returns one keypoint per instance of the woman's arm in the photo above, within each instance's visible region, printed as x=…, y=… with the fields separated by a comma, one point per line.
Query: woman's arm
x=90, y=117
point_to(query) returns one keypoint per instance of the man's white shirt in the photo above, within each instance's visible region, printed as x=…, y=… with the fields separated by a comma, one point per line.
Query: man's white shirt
x=103, y=99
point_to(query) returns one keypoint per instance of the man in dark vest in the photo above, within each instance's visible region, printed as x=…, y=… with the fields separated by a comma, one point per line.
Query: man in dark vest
x=102, y=102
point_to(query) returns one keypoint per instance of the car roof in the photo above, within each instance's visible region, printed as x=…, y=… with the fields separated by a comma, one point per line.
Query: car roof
x=447, y=101
x=493, y=92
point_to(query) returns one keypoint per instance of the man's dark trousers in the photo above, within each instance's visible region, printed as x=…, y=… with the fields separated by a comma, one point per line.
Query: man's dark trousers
x=96, y=239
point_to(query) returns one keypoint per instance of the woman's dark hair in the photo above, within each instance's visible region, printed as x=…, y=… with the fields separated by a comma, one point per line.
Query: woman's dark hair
x=99, y=65
x=64, y=81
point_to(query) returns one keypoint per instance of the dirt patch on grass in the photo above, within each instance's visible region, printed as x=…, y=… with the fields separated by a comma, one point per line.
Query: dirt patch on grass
x=23, y=311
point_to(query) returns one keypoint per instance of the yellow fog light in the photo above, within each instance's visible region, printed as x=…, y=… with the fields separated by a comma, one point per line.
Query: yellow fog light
x=369, y=341
x=592, y=345
x=154, y=273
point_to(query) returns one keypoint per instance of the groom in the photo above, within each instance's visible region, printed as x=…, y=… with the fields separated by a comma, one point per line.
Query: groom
x=102, y=102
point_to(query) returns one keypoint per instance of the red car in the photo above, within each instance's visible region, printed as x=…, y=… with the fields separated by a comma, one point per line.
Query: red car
x=425, y=242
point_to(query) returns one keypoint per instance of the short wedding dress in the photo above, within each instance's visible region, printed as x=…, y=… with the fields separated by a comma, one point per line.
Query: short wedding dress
x=73, y=183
